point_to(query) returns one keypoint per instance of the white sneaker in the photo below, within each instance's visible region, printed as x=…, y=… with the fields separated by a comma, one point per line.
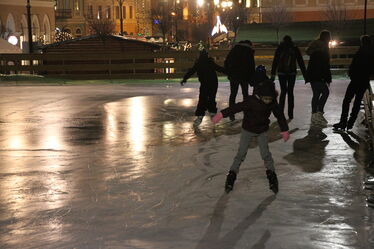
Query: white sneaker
x=198, y=120
x=321, y=118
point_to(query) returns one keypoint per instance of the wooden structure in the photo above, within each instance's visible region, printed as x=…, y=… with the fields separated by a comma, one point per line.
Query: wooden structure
x=135, y=64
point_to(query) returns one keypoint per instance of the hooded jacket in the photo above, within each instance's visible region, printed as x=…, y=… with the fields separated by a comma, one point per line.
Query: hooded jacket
x=319, y=62
x=206, y=68
x=295, y=56
x=240, y=63
x=256, y=114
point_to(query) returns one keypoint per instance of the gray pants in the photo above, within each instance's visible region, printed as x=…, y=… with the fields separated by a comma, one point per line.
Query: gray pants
x=245, y=140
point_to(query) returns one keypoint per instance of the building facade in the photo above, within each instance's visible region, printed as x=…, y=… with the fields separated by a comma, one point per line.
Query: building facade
x=13, y=20
x=74, y=16
x=313, y=10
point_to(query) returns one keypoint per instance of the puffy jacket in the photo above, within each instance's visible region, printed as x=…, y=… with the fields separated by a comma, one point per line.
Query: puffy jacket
x=319, y=62
x=256, y=114
x=240, y=63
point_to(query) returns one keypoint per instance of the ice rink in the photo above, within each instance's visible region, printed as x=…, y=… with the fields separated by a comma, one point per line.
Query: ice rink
x=120, y=166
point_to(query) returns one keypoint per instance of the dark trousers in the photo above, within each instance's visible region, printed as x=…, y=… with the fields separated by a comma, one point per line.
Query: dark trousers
x=234, y=86
x=287, y=84
x=320, y=94
x=353, y=91
x=207, y=99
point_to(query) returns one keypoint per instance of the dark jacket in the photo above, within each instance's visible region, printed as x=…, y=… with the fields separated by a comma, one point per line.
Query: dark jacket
x=295, y=56
x=319, y=62
x=256, y=114
x=362, y=66
x=240, y=63
x=206, y=71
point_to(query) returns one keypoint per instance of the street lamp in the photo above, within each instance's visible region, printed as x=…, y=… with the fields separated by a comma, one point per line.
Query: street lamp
x=365, y=11
x=29, y=25
x=120, y=3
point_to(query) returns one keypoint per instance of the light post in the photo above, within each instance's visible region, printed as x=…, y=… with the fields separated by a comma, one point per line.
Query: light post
x=29, y=25
x=120, y=3
x=365, y=11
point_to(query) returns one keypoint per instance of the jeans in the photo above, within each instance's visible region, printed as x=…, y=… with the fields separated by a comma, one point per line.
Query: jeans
x=207, y=99
x=245, y=140
x=234, y=86
x=353, y=91
x=320, y=94
x=287, y=84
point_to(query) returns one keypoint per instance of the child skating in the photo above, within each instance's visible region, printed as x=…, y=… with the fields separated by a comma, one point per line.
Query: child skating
x=257, y=109
x=206, y=68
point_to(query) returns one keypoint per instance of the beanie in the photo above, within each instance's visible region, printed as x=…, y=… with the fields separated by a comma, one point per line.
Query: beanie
x=266, y=88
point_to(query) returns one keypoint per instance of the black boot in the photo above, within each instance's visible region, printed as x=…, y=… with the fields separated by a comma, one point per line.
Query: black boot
x=350, y=124
x=230, y=180
x=273, y=180
x=340, y=126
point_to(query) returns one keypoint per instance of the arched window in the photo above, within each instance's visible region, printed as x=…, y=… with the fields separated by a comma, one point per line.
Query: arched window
x=47, y=29
x=78, y=32
x=10, y=24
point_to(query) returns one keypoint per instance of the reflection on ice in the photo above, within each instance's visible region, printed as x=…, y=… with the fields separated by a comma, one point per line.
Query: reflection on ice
x=136, y=121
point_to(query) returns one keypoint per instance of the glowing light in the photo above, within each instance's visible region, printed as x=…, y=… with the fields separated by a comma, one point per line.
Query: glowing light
x=200, y=3
x=229, y=4
x=219, y=27
x=13, y=40
x=333, y=43
x=224, y=4
x=216, y=2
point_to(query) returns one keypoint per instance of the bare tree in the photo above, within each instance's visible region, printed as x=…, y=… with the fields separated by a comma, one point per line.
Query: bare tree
x=336, y=16
x=235, y=17
x=162, y=18
x=101, y=27
x=278, y=16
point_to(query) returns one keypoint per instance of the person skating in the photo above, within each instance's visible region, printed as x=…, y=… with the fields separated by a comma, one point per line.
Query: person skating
x=319, y=75
x=206, y=68
x=285, y=61
x=257, y=109
x=359, y=72
x=240, y=67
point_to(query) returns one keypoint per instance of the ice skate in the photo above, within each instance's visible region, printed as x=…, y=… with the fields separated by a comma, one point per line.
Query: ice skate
x=198, y=121
x=230, y=180
x=212, y=114
x=340, y=126
x=273, y=180
x=350, y=124
x=321, y=119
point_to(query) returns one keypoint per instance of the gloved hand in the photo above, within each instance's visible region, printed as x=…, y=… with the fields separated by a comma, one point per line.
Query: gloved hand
x=183, y=82
x=285, y=135
x=217, y=117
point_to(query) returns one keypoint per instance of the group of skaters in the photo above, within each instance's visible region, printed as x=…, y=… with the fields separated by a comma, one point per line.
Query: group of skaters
x=241, y=70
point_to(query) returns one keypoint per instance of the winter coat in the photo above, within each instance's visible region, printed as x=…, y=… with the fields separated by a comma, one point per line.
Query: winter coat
x=206, y=71
x=256, y=114
x=240, y=63
x=294, y=56
x=362, y=66
x=319, y=62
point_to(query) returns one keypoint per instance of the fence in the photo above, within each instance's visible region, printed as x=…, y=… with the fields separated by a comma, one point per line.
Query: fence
x=150, y=65
x=369, y=110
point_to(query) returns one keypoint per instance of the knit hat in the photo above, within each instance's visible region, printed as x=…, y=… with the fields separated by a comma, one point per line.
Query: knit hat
x=266, y=88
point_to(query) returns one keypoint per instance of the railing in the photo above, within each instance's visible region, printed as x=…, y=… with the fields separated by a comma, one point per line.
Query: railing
x=148, y=65
x=369, y=110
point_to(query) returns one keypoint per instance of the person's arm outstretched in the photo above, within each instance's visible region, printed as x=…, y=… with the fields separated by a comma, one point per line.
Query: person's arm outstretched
x=282, y=122
x=189, y=73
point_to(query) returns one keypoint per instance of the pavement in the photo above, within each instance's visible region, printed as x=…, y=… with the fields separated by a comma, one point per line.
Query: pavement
x=120, y=166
